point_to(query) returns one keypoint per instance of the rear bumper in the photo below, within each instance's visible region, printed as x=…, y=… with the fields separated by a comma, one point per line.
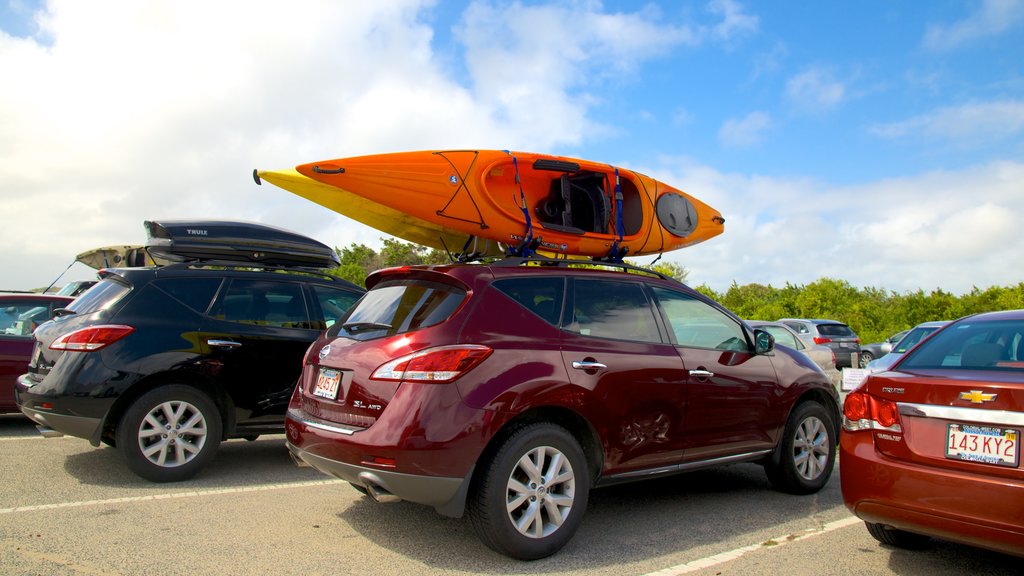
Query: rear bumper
x=972, y=509
x=307, y=440
x=51, y=425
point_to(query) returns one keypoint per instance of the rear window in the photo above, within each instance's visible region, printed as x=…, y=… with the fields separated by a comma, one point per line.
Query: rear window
x=399, y=307
x=100, y=296
x=834, y=330
x=992, y=345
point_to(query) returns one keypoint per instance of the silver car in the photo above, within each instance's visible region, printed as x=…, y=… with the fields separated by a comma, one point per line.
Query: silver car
x=916, y=334
x=823, y=356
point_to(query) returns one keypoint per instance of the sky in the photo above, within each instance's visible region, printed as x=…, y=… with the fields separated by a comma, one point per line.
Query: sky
x=876, y=142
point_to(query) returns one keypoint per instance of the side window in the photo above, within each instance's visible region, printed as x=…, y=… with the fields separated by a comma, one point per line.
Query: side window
x=264, y=303
x=610, y=309
x=22, y=318
x=697, y=324
x=196, y=293
x=783, y=336
x=334, y=303
x=542, y=296
x=799, y=327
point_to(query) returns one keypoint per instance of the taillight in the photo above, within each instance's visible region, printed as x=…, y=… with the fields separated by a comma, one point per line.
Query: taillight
x=442, y=364
x=821, y=340
x=862, y=411
x=92, y=338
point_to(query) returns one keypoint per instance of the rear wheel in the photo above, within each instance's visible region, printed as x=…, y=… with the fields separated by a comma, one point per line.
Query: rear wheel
x=898, y=538
x=169, y=433
x=866, y=357
x=532, y=493
x=803, y=461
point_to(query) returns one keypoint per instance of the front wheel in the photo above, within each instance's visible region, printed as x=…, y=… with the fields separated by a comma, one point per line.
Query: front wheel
x=866, y=357
x=169, y=433
x=532, y=493
x=803, y=461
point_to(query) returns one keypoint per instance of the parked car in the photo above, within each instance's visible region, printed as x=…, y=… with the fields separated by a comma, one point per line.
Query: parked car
x=506, y=391
x=20, y=313
x=823, y=356
x=869, y=352
x=165, y=362
x=931, y=448
x=913, y=337
x=836, y=335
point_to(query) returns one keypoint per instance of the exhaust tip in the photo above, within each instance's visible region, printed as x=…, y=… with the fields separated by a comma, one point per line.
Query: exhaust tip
x=380, y=494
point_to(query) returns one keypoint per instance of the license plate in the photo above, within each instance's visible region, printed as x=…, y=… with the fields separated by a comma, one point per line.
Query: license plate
x=327, y=383
x=1000, y=446
x=844, y=345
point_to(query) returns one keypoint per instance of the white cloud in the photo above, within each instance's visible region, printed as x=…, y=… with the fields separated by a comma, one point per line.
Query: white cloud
x=734, y=20
x=992, y=18
x=744, y=132
x=966, y=124
x=948, y=229
x=815, y=90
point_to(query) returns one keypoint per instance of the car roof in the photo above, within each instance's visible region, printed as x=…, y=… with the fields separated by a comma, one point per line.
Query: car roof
x=933, y=324
x=812, y=320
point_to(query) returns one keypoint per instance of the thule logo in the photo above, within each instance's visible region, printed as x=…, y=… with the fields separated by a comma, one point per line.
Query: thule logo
x=196, y=232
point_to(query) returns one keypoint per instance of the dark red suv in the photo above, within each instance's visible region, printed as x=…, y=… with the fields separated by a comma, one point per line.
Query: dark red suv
x=508, y=390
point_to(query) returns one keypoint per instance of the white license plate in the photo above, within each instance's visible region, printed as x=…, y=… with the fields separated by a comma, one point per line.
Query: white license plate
x=844, y=345
x=327, y=383
x=1000, y=446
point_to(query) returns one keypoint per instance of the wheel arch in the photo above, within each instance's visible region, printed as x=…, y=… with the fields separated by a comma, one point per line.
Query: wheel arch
x=107, y=433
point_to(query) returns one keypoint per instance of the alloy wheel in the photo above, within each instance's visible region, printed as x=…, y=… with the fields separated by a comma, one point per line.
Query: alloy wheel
x=811, y=448
x=540, y=492
x=172, y=433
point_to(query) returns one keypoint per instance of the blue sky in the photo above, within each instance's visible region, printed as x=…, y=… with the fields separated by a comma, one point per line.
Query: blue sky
x=877, y=142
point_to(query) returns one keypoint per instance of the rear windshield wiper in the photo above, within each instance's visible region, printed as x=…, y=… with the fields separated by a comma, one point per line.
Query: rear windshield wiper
x=359, y=326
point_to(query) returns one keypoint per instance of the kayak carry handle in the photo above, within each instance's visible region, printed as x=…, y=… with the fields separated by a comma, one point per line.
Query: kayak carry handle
x=320, y=170
x=556, y=165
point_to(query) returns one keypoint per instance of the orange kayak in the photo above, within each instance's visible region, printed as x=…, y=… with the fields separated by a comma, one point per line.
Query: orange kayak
x=526, y=201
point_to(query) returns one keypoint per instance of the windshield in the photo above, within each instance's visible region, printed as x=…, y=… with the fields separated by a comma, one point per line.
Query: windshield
x=913, y=337
x=980, y=345
x=398, y=307
x=100, y=296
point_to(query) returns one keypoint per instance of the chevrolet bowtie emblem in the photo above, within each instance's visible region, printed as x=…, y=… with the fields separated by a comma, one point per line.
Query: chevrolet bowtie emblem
x=977, y=397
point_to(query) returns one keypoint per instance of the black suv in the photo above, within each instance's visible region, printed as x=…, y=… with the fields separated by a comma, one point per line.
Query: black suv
x=166, y=362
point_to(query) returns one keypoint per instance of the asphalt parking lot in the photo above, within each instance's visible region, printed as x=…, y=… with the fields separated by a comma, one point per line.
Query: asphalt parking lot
x=68, y=508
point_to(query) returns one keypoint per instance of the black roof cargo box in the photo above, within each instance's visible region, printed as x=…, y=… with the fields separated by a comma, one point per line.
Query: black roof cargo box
x=236, y=242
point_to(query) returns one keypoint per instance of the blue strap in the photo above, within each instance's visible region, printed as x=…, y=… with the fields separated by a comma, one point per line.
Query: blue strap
x=524, y=247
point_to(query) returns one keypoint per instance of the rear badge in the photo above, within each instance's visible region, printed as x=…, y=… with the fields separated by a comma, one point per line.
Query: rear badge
x=977, y=397
x=325, y=351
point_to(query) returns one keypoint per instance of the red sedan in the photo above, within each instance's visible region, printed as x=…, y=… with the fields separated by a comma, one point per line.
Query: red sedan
x=20, y=313
x=931, y=448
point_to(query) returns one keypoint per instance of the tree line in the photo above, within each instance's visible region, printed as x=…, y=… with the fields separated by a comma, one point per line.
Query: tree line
x=873, y=313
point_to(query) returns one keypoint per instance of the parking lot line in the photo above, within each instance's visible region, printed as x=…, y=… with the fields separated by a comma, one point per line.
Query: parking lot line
x=735, y=553
x=169, y=495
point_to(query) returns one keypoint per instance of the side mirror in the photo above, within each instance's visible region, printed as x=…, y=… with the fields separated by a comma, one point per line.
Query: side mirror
x=763, y=342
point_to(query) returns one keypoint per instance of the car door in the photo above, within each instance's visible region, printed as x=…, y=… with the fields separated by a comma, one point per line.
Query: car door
x=258, y=331
x=730, y=389
x=614, y=346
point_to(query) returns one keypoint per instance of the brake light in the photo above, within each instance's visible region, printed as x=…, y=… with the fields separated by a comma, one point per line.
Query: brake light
x=862, y=411
x=92, y=338
x=442, y=364
x=821, y=340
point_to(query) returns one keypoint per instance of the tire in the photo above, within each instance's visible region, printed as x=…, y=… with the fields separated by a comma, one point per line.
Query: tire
x=531, y=494
x=898, y=538
x=151, y=437
x=866, y=357
x=803, y=461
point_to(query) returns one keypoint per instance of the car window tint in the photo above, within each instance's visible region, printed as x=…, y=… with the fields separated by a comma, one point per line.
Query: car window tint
x=912, y=338
x=334, y=303
x=264, y=303
x=542, y=296
x=698, y=324
x=992, y=345
x=834, y=330
x=100, y=296
x=782, y=336
x=398, y=307
x=22, y=318
x=610, y=309
x=196, y=293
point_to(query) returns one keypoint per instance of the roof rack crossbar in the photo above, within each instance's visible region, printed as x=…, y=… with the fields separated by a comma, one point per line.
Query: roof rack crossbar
x=565, y=262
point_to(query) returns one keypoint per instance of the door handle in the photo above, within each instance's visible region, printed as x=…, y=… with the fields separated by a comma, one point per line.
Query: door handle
x=229, y=344
x=700, y=373
x=585, y=365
